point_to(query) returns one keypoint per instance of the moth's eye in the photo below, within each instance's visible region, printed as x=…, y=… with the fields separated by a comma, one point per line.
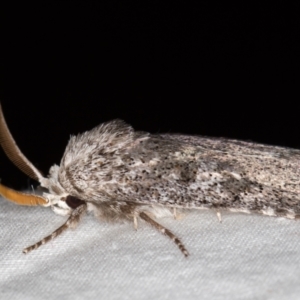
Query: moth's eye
x=73, y=202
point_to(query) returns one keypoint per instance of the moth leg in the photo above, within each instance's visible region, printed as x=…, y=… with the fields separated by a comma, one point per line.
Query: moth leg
x=135, y=222
x=219, y=216
x=175, y=213
x=165, y=231
x=72, y=222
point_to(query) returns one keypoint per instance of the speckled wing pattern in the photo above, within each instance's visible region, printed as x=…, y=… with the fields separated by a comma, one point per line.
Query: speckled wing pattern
x=114, y=163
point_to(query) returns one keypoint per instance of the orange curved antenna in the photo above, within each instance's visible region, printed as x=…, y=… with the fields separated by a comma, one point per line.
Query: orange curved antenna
x=21, y=198
x=14, y=153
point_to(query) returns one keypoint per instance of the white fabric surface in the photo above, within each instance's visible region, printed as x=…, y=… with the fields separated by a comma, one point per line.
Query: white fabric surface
x=245, y=257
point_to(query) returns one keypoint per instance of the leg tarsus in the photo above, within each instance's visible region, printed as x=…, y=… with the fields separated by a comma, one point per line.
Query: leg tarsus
x=166, y=232
x=72, y=221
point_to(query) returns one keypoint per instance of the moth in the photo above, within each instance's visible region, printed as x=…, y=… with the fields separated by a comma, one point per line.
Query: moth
x=121, y=174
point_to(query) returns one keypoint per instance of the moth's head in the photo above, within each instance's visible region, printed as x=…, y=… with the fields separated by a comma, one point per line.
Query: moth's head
x=56, y=196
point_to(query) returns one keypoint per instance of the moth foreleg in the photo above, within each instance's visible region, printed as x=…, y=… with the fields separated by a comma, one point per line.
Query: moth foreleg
x=165, y=231
x=72, y=222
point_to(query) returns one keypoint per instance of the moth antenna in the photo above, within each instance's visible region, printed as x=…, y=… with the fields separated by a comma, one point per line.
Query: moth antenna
x=13, y=152
x=166, y=232
x=21, y=198
x=72, y=222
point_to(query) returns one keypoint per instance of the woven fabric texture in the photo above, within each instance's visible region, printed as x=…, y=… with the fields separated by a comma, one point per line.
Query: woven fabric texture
x=244, y=257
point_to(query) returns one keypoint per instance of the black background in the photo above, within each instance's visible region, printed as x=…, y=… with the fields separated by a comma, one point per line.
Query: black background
x=202, y=68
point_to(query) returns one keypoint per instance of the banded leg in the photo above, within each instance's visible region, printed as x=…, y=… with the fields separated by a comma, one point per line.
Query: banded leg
x=72, y=222
x=165, y=231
